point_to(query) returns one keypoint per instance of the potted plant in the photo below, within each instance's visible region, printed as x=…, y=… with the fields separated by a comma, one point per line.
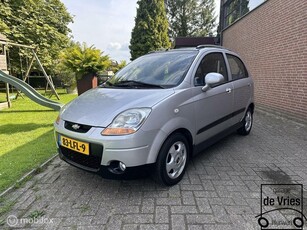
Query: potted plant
x=85, y=62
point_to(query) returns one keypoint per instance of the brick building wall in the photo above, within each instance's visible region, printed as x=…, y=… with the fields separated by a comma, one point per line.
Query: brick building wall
x=272, y=40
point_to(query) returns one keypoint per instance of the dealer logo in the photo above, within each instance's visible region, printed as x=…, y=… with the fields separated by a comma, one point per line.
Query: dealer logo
x=281, y=207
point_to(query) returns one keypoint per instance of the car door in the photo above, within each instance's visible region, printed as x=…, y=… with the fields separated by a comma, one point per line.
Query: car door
x=213, y=108
x=242, y=86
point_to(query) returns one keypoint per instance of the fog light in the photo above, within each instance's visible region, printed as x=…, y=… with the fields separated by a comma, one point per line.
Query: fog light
x=122, y=166
x=117, y=167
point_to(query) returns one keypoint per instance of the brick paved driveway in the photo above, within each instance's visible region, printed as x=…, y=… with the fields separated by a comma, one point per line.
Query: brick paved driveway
x=221, y=189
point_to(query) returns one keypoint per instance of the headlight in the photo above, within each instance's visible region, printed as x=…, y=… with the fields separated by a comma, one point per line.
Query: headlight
x=127, y=122
x=57, y=121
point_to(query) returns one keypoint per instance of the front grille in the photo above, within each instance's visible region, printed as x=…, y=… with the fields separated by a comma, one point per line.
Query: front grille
x=80, y=128
x=90, y=161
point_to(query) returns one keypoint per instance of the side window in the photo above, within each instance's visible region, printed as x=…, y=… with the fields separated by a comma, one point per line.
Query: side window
x=212, y=62
x=237, y=67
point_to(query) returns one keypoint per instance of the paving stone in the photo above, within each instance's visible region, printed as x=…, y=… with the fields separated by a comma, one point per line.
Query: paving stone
x=200, y=219
x=138, y=218
x=237, y=210
x=203, y=205
x=148, y=205
x=115, y=222
x=207, y=184
x=162, y=214
x=183, y=209
x=168, y=201
x=88, y=227
x=178, y=222
x=190, y=187
x=195, y=227
x=221, y=201
x=194, y=179
x=56, y=222
x=75, y=221
x=188, y=198
x=130, y=227
x=126, y=209
x=154, y=227
x=208, y=194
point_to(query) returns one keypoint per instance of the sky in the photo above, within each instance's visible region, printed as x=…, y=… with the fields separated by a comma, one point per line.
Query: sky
x=106, y=24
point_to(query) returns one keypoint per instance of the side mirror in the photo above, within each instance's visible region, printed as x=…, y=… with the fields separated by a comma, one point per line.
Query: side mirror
x=212, y=79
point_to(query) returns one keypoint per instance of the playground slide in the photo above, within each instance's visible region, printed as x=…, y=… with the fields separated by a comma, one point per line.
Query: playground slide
x=29, y=91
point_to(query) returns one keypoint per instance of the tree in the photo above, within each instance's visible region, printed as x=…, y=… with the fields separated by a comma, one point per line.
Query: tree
x=190, y=18
x=182, y=17
x=206, y=18
x=83, y=60
x=40, y=22
x=118, y=66
x=151, y=28
x=4, y=10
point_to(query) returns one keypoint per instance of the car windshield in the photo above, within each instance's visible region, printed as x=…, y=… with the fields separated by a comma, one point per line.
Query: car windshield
x=156, y=70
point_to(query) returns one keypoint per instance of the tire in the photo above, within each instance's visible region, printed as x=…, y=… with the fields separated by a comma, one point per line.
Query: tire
x=247, y=123
x=172, y=160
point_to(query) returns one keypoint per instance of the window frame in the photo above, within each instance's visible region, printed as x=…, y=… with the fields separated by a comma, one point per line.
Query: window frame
x=230, y=72
x=227, y=80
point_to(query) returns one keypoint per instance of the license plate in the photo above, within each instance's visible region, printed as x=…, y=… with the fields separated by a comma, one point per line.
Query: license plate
x=78, y=146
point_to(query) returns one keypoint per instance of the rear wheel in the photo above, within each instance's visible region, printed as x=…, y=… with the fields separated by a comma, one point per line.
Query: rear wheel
x=247, y=123
x=172, y=160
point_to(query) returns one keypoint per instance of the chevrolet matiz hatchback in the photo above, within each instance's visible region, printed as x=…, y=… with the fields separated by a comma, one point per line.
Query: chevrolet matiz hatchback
x=157, y=112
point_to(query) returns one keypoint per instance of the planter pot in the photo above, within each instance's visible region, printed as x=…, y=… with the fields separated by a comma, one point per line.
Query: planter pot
x=87, y=82
x=71, y=90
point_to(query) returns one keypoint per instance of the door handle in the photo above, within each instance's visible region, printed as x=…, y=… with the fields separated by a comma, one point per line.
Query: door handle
x=228, y=90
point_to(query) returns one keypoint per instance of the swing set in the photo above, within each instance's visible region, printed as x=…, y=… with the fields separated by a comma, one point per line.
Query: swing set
x=6, y=60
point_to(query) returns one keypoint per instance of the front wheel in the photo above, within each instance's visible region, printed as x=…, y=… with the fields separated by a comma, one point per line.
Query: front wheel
x=247, y=123
x=172, y=160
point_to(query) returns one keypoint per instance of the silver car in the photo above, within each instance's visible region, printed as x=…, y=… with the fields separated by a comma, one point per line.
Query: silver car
x=157, y=112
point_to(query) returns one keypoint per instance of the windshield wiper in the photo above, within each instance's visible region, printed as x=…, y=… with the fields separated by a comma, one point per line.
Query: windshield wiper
x=132, y=83
x=106, y=85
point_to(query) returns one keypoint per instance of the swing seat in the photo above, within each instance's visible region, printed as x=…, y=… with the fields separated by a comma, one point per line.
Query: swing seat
x=12, y=97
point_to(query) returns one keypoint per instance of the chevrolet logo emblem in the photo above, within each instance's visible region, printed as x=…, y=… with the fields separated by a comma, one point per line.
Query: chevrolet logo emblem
x=76, y=126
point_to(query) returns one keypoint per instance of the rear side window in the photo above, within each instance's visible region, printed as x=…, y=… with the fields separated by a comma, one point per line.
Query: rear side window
x=212, y=62
x=237, y=67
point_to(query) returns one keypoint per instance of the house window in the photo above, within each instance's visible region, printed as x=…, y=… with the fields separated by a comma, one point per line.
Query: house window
x=2, y=50
x=235, y=9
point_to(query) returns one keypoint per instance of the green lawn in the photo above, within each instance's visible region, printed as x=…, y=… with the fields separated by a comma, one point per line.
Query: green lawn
x=2, y=96
x=26, y=137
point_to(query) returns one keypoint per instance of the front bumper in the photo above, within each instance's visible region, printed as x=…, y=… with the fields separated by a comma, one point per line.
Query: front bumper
x=130, y=173
x=133, y=150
